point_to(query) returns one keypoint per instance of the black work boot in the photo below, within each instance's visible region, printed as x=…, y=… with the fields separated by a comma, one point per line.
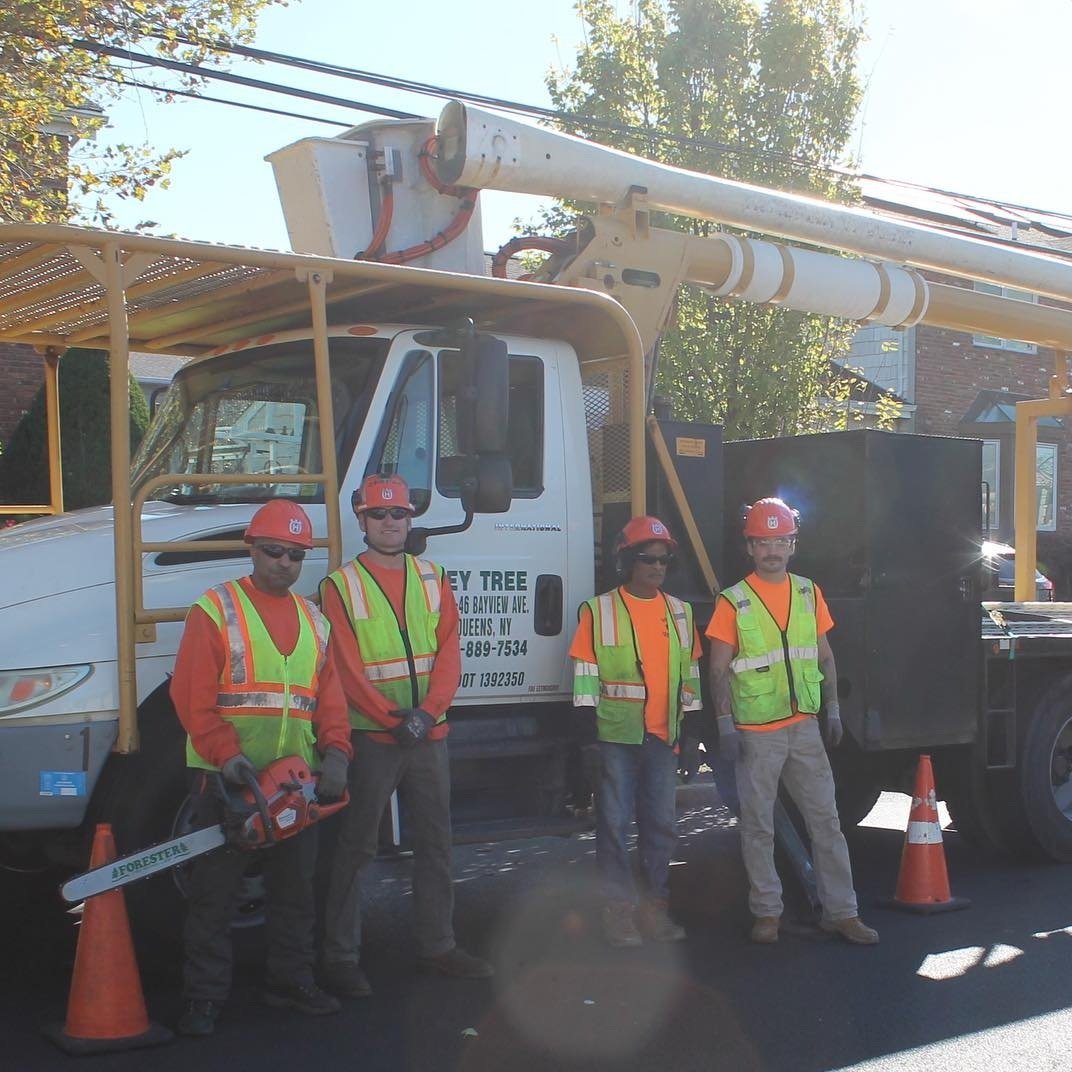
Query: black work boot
x=305, y=997
x=198, y=1017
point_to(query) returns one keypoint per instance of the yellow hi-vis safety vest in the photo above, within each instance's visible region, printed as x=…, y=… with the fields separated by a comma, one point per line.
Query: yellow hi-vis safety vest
x=268, y=697
x=775, y=670
x=614, y=683
x=398, y=656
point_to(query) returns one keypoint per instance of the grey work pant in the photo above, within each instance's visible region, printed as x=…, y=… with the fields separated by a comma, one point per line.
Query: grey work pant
x=215, y=890
x=421, y=775
x=794, y=754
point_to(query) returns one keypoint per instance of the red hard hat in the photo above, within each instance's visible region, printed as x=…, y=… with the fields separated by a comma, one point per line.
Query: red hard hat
x=770, y=517
x=641, y=530
x=378, y=490
x=281, y=519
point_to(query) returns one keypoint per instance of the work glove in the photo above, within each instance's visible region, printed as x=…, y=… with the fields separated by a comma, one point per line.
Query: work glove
x=834, y=729
x=413, y=727
x=729, y=739
x=238, y=770
x=333, y=768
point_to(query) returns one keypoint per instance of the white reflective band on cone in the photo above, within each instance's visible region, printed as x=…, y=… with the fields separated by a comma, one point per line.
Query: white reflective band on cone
x=924, y=834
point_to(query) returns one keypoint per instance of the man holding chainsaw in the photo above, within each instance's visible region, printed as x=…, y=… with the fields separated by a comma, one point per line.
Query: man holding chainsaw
x=254, y=681
x=395, y=633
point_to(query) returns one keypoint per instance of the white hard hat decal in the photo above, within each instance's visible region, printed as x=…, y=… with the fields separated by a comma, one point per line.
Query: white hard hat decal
x=772, y=522
x=387, y=493
x=658, y=528
x=295, y=526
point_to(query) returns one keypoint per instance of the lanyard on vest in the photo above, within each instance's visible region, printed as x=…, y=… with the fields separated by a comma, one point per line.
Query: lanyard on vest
x=784, y=633
x=402, y=629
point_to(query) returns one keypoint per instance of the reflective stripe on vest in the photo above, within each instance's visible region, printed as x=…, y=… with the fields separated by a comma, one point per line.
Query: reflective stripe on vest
x=398, y=673
x=762, y=687
x=614, y=684
x=269, y=698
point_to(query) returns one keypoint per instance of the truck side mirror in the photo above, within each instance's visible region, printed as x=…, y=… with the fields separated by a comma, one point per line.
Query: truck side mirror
x=483, y=402
x=490, y=488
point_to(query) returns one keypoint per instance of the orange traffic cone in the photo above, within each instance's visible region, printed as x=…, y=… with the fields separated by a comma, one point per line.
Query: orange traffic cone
x=923, y=884
x=106, y=1008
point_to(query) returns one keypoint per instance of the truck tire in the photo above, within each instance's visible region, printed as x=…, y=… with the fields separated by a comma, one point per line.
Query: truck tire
x=144, y=797
x=985, y=806
x=139, y=795
x=1046, y=772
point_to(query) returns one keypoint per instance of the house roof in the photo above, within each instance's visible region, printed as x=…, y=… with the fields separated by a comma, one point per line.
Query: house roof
x=979, y=217
x=999, y=407
x=155, y=367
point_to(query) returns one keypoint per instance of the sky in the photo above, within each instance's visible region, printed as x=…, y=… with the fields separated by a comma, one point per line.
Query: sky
x=965, y=95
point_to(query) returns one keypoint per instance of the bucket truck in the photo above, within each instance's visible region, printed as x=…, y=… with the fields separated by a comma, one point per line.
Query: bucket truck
x=518, y=412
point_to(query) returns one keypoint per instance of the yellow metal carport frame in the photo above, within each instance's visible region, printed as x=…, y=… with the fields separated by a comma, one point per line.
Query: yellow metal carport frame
x=68, y=286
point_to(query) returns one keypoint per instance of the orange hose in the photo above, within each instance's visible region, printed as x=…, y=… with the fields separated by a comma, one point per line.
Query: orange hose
x=516, y=245
x=383, y=225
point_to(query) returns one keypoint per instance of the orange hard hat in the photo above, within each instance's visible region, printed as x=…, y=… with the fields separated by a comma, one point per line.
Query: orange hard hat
x=281, y=519
x=378, y=490
x=641, y=530
x=770, y=517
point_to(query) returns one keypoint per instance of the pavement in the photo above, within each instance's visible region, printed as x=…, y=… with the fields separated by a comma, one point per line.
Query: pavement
x=988, y=987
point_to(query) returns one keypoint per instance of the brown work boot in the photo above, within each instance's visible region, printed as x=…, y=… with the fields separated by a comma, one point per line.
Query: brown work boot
x=765, y=929
x=618, y=926
x=456, y=963
x=852, y=930
x=345, y=980
x=655, y=924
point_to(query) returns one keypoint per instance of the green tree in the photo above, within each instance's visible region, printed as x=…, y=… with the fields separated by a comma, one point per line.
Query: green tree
x=46, y=77
x=776, y=86
x=85, y=441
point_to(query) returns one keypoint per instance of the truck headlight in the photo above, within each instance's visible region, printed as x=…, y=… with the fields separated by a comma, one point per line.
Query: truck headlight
x=20, y=689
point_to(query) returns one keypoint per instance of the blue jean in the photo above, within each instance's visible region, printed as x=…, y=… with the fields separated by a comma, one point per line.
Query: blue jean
x=636, y=780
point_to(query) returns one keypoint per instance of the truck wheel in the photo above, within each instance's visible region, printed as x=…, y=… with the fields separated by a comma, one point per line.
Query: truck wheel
x=250, y=911
x=985, y=805
x=144, y=797
x=1046, y=773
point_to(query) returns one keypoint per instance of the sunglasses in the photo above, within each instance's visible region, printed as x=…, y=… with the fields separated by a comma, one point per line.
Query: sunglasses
x=782, y=543
x=378, y=513
x=273, y=550
x=654, y=560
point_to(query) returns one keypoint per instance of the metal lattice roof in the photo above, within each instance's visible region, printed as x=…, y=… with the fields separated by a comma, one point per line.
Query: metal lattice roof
x=190, y=299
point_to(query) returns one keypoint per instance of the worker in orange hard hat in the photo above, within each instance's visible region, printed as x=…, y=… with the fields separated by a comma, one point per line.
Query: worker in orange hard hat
x=254, y=681
x=772, y=671
x=395, y=631
x=635, y=656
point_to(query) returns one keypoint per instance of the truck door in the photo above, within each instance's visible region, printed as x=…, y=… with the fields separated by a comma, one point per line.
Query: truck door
x=508, y=570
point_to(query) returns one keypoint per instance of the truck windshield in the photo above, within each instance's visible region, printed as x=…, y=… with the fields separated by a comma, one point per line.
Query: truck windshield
x=255, y=412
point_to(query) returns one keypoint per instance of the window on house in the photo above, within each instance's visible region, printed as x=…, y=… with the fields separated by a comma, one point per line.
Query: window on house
x=994, y=343
x=992, y=484
x=1046, y=486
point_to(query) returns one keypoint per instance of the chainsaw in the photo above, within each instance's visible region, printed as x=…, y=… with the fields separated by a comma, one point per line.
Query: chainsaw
x=275, y=804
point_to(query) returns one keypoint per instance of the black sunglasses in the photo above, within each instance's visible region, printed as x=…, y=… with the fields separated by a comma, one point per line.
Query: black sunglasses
x=378, y=513
x=273, y=550
x=654, y=560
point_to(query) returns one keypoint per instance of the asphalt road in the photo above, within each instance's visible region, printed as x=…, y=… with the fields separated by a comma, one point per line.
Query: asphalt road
x=985, y=988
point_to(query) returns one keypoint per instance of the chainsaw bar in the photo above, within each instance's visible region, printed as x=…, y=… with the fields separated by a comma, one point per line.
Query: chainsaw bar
x=156, y=858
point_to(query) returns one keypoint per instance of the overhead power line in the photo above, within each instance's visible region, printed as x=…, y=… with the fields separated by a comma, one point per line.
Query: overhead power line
x=223, y=100
x=199, y=71
x=427, y=89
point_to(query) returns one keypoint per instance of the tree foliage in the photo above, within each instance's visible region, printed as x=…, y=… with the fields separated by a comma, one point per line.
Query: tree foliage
x=761, y=93
x=48, y=79
x=85, y=442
